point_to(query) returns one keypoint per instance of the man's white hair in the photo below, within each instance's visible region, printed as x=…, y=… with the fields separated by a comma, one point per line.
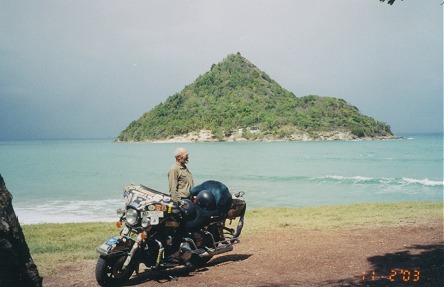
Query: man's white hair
x=179, y=151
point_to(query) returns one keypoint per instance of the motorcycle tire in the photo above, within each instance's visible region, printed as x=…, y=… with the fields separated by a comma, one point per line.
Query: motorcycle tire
x=109, y=271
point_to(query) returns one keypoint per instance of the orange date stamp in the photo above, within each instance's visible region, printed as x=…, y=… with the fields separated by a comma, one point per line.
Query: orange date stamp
x=395, y=275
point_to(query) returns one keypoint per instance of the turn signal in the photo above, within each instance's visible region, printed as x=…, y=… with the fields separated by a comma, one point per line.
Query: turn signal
x=143, y=235
x=118, y=224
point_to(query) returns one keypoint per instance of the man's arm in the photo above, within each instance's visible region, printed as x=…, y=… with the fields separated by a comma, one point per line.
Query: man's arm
x=172, y=184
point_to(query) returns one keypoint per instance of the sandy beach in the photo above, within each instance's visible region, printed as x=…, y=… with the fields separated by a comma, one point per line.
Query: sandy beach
x=208, y=136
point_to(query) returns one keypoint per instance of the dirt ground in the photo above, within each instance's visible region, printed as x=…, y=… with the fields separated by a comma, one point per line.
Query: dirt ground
x=413, y=255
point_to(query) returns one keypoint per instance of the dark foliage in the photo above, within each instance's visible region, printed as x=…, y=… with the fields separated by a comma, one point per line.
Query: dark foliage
x=389, y=1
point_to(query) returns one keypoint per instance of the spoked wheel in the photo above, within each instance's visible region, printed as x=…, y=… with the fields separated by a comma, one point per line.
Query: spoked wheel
x=109, y=272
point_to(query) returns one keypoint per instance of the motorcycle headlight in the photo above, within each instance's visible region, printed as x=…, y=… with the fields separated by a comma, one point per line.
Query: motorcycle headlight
x=131, y=216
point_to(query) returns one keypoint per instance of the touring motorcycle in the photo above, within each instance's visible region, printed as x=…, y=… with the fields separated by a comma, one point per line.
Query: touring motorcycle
x=164, y=234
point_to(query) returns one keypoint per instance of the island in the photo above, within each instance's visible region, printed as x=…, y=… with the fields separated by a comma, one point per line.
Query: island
x=236, y=101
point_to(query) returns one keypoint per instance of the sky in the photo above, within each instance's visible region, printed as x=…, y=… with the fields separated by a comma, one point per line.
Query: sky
x=86, y=69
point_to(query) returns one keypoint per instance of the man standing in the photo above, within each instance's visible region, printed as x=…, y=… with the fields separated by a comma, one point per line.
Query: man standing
x=180, y=179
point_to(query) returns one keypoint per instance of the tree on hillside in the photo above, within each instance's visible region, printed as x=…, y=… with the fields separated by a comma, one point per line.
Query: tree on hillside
x=389, y=1
x=393, y=1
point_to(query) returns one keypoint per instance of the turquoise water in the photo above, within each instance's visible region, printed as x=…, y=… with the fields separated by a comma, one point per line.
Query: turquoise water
x=82, y=180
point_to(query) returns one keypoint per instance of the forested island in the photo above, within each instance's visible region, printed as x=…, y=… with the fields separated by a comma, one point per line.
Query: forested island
x=236, y=101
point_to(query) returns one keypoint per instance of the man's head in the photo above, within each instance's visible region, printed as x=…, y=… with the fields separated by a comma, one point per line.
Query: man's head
x=181, y=155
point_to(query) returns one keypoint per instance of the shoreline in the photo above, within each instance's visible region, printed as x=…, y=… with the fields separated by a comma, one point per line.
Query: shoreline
x=208, y=136
x=319, y=209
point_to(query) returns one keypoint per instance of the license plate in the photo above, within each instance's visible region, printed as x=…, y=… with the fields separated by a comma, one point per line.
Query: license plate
x=154, y=213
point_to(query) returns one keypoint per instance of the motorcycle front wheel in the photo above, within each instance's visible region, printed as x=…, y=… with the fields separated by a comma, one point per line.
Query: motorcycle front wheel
x=109, y=271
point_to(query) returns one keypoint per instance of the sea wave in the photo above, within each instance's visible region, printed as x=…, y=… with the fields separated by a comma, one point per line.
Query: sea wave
x=384, y=180
x=337, y=179
x=340, y=179
x=347, y=178
x=271, y=178
x=425, y=182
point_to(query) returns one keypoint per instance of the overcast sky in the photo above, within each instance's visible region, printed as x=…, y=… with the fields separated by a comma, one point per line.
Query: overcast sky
x=86, y=69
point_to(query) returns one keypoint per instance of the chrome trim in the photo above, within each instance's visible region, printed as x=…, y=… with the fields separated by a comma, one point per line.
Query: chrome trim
x=160, y=254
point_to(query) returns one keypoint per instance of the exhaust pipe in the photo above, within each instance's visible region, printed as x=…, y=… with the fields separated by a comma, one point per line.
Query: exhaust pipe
x=218, y=250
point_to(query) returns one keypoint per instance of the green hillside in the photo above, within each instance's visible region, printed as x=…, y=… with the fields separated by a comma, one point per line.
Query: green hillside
x=235, y=95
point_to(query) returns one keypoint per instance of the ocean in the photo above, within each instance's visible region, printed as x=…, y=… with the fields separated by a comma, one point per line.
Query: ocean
x=59, y=181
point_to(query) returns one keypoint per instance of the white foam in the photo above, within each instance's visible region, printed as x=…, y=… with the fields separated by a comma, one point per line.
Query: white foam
x=69, y=211
x=425, y=181
x=346, y=178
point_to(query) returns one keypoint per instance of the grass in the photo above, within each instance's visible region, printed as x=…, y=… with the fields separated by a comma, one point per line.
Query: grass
x=56, y=245
x=343, y=216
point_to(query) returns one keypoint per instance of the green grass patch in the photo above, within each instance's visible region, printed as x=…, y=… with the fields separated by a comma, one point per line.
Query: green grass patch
x=342, y=217
x=55, y=245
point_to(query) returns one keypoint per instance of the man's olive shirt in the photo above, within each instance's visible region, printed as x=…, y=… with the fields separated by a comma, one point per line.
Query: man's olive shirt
x=180, y=181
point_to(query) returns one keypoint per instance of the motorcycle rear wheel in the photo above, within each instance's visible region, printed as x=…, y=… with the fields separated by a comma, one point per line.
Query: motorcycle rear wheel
x=109, y=271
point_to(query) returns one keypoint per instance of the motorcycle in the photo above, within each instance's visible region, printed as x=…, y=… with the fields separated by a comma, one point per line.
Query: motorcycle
x=163, y=234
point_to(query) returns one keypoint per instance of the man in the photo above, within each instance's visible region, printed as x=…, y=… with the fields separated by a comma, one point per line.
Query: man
x=180, y=179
